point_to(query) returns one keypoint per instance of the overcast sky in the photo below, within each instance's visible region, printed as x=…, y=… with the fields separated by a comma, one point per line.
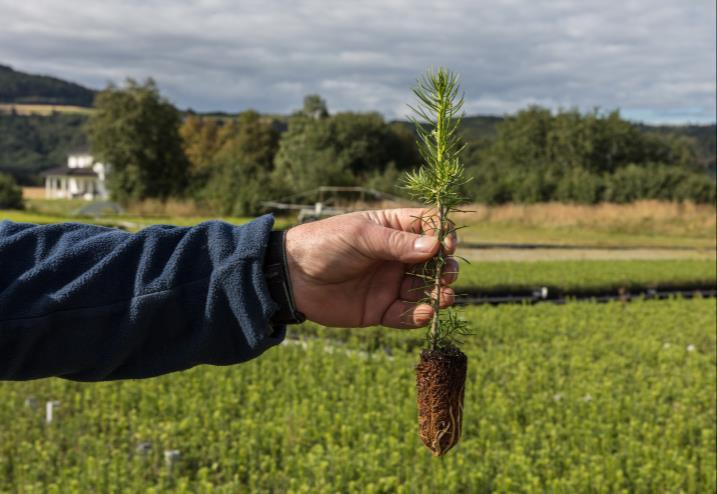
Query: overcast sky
x=654, y=59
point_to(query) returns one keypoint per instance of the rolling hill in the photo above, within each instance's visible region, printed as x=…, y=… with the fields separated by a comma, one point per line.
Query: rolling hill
x=22, y=88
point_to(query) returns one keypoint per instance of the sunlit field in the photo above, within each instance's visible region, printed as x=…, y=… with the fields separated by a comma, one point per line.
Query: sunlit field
x=567, y=398
x=577, y=398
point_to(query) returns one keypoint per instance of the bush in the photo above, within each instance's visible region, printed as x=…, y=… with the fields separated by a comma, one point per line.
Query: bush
x=701, y=189
x=579, y=186
x=10, y=193
x=663, y=182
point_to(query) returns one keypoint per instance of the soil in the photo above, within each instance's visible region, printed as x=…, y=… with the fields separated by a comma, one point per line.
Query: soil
x=440, y=378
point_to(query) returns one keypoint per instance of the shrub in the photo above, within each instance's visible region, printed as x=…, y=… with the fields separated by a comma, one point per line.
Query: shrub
x=579, y=186
x=664, y=182
x=10, y=193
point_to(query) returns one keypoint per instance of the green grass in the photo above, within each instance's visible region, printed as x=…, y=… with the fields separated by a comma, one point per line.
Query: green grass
x=43, y=109
x=126, y=222
x=56, y=207
x=585, y=276
x=517, y=233
x=576, y=398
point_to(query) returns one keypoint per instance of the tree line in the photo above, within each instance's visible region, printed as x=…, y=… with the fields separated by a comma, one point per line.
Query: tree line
x=585, y=158
x=230, y=164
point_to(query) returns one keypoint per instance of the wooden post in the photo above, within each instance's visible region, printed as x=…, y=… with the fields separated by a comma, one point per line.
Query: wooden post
x=50, y=409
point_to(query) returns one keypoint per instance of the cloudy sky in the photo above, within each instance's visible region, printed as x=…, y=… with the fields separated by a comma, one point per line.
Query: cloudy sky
x=654, y=59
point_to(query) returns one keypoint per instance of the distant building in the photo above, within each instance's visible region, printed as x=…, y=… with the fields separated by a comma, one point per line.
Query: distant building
x=82, y=178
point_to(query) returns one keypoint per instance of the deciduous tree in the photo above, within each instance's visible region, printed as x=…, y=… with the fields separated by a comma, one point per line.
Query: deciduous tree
x=136, y=131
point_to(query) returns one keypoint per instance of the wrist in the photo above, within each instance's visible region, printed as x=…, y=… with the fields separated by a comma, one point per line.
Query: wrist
x=279, y=282
x=293, y=254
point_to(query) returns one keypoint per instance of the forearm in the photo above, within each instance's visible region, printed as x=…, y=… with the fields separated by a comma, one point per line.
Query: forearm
x=91, y=303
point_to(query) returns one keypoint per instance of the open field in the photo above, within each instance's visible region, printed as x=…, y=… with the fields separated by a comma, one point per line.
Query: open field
x=645, y=223
x=518, y=254
x=576, y=398
x=585, y=276
x=126, y=222
x=32, y=109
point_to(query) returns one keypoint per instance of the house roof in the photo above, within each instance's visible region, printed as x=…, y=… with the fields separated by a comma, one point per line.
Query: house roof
x=65, y=171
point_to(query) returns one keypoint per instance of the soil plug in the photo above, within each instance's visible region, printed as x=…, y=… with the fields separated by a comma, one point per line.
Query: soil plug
x=441, y=372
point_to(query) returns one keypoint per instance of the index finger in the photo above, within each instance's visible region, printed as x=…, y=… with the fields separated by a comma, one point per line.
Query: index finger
x=414, y=220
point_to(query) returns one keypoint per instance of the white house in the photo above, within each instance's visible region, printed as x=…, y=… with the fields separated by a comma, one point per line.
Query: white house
x=82, y=178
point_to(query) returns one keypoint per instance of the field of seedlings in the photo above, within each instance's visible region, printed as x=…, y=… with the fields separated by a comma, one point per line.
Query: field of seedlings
x=576, y=398
x=589, y=276
x=582, y=397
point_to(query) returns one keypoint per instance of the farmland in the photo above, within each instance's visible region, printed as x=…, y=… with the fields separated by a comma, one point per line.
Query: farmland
x=574, y=398
x=43, y=109
x=577, y=398
x=586, y=276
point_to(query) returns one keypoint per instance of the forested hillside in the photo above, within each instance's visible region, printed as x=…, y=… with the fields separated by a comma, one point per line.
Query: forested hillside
x=30, y=144
x=19, y=87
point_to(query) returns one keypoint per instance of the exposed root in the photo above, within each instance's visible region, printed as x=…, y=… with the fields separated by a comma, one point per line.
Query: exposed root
x=440, y=379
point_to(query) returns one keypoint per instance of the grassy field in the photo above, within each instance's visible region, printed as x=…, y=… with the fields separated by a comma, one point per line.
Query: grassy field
x=32, y=109
x=585, y=276
x=576, y=398
x=48, y=211
x=645, y=223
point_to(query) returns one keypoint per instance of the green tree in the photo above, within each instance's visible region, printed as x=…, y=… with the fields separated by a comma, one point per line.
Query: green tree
x=315, y=106
x=10, y=193
x=343, y=149
x=308, y=156
x=582, y=157
x=241, y=169
x=580, y=186
x=136, y=131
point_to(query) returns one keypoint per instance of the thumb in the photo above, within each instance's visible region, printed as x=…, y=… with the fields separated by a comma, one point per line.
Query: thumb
x=388, y=244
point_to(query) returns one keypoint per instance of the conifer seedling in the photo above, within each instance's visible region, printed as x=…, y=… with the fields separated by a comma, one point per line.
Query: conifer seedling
x=441, y=372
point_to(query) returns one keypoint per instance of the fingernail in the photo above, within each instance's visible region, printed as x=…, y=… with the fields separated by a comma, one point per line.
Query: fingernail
x=425, y=244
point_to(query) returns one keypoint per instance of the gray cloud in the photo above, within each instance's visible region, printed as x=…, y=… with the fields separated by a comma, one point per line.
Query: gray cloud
x=655, y=59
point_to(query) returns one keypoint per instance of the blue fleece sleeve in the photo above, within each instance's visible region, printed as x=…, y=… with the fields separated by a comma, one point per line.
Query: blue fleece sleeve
x=90, y=303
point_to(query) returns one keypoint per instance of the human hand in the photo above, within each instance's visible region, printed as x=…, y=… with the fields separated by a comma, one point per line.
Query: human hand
x=351, y=270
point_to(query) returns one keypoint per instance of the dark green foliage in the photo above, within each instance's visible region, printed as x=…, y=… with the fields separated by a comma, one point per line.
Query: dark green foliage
x=30, y=144
x=343, y=149
x=315, y=106
x=10, y=193
x=658, y=182
x=702, y=138
x=386, y=180
x=137, y=132
x=579, y=186
x=308, y=157
x=586, y=158
x=19, y=87
x=576, y=398
x=239, y=173
x=599, y=143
